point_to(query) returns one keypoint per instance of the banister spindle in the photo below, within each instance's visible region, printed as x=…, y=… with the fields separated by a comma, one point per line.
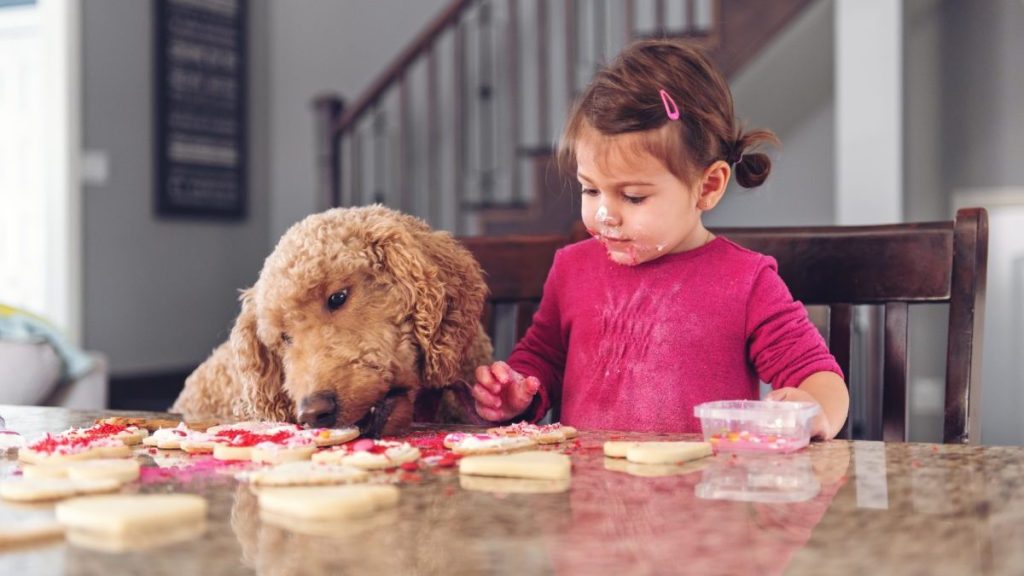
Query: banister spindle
x=629, y=19
x=353, y=196
x=435, y=203
x=380, y=143
x=571, y=42
x=512, y=90
x=542, y=72
x=485, y=98
x=458, y=125
x=329, y=109
x=403, y=171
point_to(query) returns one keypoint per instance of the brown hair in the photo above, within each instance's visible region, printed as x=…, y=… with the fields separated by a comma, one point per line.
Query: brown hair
x=624, y=97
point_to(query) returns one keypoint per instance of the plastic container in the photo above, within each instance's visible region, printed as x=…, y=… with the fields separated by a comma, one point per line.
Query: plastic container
x=756, y=425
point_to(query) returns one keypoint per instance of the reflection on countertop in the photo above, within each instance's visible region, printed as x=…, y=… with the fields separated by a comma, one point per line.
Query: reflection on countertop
x=835, y=508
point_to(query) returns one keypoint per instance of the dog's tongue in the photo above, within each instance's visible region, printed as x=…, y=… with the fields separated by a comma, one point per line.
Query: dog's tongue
x=381, y=414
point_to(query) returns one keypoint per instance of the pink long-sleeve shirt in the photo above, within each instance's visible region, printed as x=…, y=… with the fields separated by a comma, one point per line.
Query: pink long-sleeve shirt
x=637, y=347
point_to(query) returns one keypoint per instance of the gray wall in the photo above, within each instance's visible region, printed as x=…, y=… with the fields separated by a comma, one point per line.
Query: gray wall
x=158, y=294
x=982, y=119
x=788, y=89
x=316, y=47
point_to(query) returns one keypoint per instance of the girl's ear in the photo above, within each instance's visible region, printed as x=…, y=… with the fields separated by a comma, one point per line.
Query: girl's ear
x=713, y=183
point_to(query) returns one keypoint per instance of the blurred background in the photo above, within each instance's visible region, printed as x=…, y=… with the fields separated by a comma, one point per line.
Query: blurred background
x=152, y=153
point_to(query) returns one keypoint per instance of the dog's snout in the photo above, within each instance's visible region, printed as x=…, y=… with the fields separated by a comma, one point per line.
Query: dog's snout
x=319, y=410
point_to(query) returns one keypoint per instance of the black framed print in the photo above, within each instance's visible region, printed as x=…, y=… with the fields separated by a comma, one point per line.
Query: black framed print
x=200, y=101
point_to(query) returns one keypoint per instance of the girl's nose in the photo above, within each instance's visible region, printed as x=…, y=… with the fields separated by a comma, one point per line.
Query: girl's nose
x=606, y=217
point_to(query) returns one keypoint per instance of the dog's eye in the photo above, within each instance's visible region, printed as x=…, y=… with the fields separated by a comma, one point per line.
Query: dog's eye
x=337, y=300
x=286, y=338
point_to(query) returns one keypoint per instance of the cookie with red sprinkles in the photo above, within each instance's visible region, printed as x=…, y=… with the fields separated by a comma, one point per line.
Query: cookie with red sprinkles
x=370, y=454
x=546, y=434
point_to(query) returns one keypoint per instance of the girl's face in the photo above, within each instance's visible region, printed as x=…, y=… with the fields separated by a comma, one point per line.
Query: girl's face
x=633, y=204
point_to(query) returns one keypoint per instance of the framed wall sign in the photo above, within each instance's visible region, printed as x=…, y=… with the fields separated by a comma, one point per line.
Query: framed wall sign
x=200, y=100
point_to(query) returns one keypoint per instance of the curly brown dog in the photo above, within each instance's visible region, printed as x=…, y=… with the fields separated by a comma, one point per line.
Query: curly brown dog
x=357, y=315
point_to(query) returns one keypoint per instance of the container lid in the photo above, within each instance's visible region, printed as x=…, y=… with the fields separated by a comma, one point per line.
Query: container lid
x=756, y=410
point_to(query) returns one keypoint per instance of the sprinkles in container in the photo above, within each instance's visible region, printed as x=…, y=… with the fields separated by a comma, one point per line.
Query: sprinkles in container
x=756, y=425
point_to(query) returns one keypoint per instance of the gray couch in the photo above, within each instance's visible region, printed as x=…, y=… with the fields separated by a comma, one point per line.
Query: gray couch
x=30, y=375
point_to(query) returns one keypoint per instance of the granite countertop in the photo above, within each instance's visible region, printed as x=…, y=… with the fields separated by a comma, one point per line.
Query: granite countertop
x=835, y=508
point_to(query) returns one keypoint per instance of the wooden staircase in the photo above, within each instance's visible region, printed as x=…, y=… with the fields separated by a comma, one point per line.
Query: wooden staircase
x=459, y=129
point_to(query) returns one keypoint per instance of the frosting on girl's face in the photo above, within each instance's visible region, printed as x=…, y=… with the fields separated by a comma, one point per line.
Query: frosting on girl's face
x=632, y=203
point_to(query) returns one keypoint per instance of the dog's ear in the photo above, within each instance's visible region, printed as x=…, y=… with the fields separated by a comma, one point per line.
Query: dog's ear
x=445, y=289
x=258, y=368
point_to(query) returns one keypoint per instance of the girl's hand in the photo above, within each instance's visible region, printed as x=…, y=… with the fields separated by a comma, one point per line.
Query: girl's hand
x=819, y=425
x=501, y=393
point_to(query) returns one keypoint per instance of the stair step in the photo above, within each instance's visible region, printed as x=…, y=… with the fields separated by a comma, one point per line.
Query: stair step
x=496, y=205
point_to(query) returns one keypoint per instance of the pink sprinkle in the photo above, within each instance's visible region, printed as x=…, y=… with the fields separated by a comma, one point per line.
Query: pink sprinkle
x=362, y=445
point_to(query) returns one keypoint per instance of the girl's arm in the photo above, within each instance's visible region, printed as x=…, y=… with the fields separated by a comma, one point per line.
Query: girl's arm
x=830, y=392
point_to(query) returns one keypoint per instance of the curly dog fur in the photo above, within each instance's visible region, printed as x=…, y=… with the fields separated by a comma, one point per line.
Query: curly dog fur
x=410, y=323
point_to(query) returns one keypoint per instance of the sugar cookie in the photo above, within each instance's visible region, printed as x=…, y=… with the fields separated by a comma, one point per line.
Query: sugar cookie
x=198, y=443
x=130, y=435
x=168, y=438
x=667, y=452
x=63, y=448
x=327, y=502
x=270, y=453
x=547, y=434
x=370, y=454
x=332, y=436
x=306, y=473
x=253, y=426
x=532, y=464
x=462, y=443
x=150, y=424
x=618, y=449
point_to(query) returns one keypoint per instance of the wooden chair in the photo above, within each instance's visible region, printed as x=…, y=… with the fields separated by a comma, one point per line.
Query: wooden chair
x=516, y=268
x=893, y=266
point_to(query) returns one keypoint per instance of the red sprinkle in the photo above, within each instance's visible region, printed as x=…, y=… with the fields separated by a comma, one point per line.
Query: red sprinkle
x=251, y=439
x=105, y=429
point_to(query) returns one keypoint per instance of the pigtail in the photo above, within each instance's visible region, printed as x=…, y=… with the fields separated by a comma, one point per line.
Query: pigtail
x=752, y=168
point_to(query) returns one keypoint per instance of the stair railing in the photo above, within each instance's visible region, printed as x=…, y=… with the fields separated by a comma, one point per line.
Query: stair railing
x=491, y=126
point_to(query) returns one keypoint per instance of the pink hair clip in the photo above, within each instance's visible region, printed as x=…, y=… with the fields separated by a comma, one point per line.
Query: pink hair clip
x=670, y=105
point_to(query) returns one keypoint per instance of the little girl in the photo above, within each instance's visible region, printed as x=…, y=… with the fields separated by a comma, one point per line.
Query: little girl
x=655, y=314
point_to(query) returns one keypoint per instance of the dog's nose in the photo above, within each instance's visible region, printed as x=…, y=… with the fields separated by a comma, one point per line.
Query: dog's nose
x=319, y=410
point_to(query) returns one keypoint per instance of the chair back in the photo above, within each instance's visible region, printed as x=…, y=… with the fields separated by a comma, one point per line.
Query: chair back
x=839, y=267
x=894, y=266
x=515, y=268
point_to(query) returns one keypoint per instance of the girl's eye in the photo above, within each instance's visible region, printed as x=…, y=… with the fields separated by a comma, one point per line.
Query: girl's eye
x=635, y=199
x=337, y=300
x=590, y=192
